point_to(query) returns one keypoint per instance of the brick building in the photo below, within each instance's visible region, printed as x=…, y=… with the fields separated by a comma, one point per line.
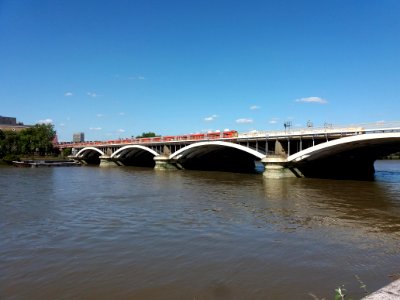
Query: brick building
x=10, y=123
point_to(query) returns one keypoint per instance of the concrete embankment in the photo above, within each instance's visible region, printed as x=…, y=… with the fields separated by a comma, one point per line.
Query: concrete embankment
x=389, y=292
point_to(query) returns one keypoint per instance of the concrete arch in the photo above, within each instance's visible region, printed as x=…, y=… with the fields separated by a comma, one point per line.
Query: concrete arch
x=331, y=148
x=119, y=151
x=196, y=147
x=89, y=149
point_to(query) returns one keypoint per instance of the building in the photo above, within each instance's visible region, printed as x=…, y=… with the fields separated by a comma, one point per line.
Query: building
x=11, y=124
x=8, y=121
x=78, y=137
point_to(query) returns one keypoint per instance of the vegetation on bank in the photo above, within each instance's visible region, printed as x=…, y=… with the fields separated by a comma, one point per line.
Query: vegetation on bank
x=341, y=292
x=34, y=141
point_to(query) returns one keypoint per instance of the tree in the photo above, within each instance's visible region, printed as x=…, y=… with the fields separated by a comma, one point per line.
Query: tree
x=43, y=135
x=2, y=137
x=66, y=151
x=11, y=143
x=147, y=134
x=28, y=141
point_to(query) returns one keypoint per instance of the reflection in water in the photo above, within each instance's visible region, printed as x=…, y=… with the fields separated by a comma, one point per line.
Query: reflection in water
x=94, y=233
x=355, y=204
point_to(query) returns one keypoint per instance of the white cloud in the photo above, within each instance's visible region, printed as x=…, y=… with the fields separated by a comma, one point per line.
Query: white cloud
x=210, y=118
x=244, y=121
x=254, y=107
x=137, y=78
x=121, y=114
x=95, y=128
x=312, y=100
x=62, y=124
x=99, y=115
x=68, y=94
x=45, y=121
x=92, y=94
x=273, y=121
x=121, y=130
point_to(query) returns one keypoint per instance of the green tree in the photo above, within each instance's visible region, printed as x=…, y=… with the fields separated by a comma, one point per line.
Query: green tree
x=147, y=134
x=37, y=138
x=2, y=137
x=26, y=141
x=66, y=152
x=42, y=138
x=11, y=143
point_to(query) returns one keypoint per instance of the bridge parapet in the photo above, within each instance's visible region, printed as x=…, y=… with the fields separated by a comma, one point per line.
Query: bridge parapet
x=329, y=129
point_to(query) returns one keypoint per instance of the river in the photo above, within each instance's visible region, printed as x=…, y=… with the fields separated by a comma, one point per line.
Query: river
x=136, y=233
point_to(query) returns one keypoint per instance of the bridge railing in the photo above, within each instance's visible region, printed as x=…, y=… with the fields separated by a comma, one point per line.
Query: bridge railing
x=301, y=132
x=219, y=135
x=382, y=127
x=327, y=129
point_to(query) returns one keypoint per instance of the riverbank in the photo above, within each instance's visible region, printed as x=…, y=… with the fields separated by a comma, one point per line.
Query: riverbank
x=392, y=156
x=8, y=159
x=45, y=163
x=389, y=292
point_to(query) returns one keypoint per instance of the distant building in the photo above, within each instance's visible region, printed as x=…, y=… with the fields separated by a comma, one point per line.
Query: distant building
x=10, y=123
x=78, y=137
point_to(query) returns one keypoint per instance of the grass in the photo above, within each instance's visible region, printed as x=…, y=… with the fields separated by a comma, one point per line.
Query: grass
x=341, y=292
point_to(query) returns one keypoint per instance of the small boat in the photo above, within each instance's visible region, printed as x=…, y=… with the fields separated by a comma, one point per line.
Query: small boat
x=45, y=163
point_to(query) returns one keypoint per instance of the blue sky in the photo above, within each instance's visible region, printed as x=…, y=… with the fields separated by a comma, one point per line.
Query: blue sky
x=114, y=69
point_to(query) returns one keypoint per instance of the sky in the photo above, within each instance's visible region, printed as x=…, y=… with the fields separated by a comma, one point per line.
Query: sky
x=116, y=69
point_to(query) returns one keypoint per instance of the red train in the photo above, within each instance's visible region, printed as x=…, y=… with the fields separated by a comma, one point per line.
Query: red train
x=187, y=137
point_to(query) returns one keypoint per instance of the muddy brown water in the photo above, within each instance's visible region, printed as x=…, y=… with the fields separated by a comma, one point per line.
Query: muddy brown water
x=135, y=233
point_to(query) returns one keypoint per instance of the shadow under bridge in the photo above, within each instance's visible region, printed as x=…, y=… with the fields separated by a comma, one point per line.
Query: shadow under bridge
x=217, y=156
x=89, y=155
x=135, y=155
x=346, y=158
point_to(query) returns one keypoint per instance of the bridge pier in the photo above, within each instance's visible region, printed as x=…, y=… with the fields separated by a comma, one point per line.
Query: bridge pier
x=277, y=167
x=165, y=163
x=107, y=161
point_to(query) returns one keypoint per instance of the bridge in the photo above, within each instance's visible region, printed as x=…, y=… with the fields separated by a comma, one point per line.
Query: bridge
x=346, y=152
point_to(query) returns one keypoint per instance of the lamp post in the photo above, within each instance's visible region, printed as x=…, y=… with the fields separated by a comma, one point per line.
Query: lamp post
x=287, y=126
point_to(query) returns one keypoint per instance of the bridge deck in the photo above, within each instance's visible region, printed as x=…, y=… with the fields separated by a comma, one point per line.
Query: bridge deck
x=330, y=132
